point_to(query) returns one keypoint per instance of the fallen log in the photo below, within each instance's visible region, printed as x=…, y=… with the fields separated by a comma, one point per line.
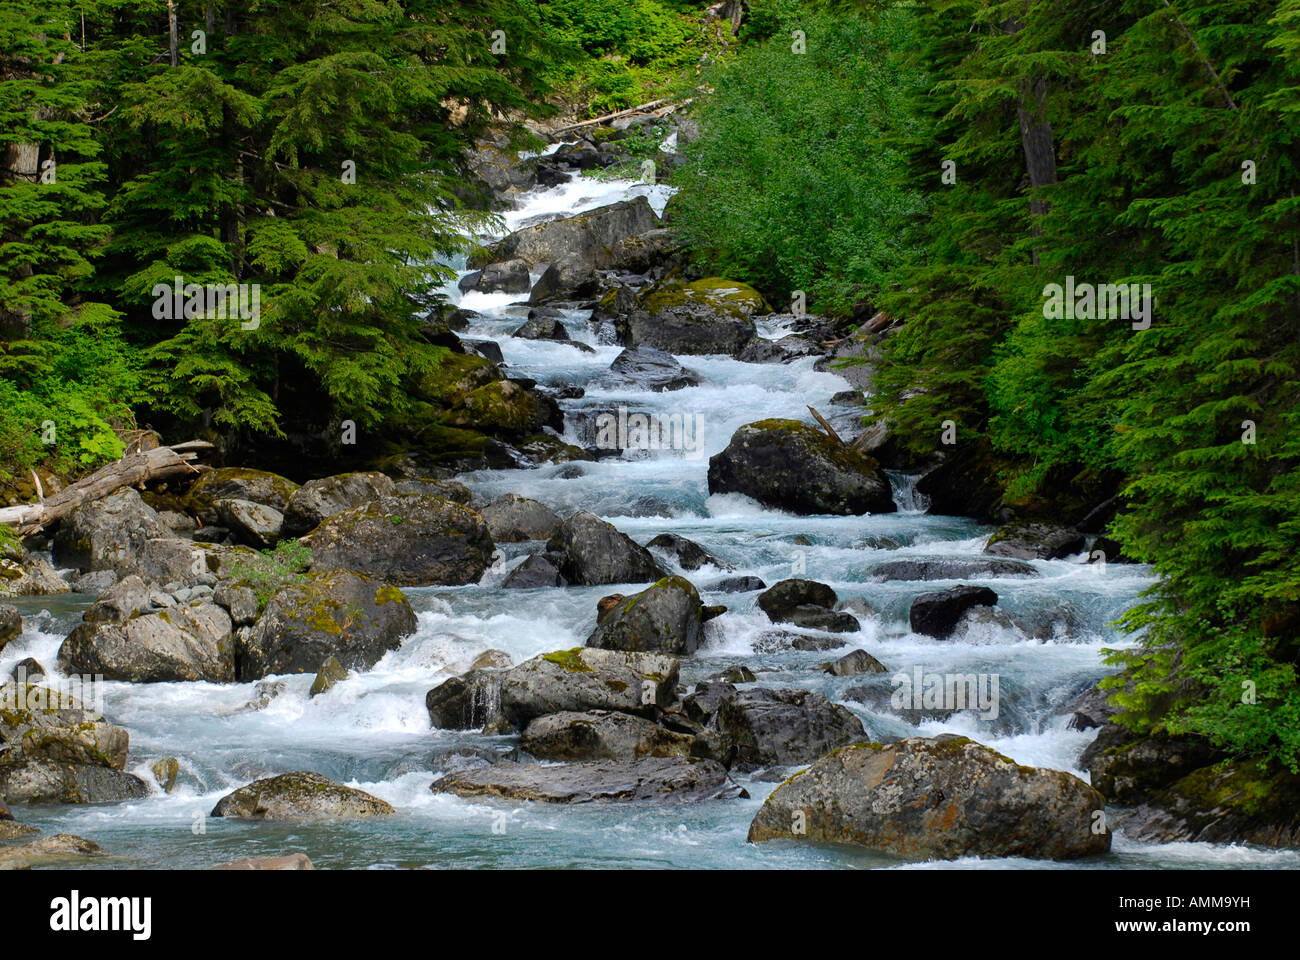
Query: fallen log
x=652, y=105
x=134, y=469
x=826, y=426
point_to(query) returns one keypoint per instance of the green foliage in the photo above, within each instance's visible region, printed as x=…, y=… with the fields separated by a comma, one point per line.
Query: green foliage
x=269, y=570
x=792, y=184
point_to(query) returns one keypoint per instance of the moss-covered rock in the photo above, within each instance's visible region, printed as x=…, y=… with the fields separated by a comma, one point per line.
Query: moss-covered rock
x=300, y=798
x=337, y=614
x=237, y=483
x=590, y=552
x=676, y=779
x=192, y=642
x=710, y=316
x=666, y=618
x=316, y=500
x=505, y=407
x=796, y=467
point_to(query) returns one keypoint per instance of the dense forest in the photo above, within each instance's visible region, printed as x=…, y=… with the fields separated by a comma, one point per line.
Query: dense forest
x=978, y=180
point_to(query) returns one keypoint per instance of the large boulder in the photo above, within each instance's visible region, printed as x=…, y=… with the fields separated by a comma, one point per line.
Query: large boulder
x=935, y=799
x=796, y=467
x=782, y=599
x=592, y=552
x=300, y=798
x=337, y=614
x=936, y=614
x=647, y=368
x=666, y=618
x=601, y=735
x=508, y=276
x=785, y=726
x=690, y=555
x=107, y=534
x=59, y=850
x=237, y=483
x=1031, y=540
x=506, y=407
x=570, y=276
x=319, y=499
x=542, y=324
x=406, y=539
x=650, y=778
x=55, y=750
x=32, y=576
x=471, y=701
x=11, y=624
x=190, y=642
x=710, y=316
x=253, y=523
x=537, y=570
x=512, y=519
x=642, y=252
x=587, y=678
x=1129, y=770
x=588, y=236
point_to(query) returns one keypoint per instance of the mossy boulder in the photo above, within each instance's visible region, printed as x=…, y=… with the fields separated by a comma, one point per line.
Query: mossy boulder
x=590, y=236
x=454, y=377
x=237, y=483
x=108, y=533
x=796, y=467
x=11, y=624
x=1034, y=540
x=935, y=799
x=513, y=519
x=407, y=539
x=1128, y=770
x=508, y=408
x=710, y=316
x=317, y=500
x=335, y=614
x=666, y=618
x=676, y=779
x=300, y=798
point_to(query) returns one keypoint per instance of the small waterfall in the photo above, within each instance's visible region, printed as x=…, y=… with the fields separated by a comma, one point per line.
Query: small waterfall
x=906, y=497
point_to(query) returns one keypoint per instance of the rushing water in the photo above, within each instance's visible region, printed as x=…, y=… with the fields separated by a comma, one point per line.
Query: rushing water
x=372, y=730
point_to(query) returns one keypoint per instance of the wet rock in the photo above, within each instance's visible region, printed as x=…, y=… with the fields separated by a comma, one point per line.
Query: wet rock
x=60, y=849
x=785, y=350
x=950, y=568
x=703, y=704
x=513, y=519
x=508, y=407
x=690, y=555
x=95, y=582
x=781, y=600
x=935, y=799
x=542, y=326
x=331, y=672
x=936, y=614
x=648, y=368
x=854, y=663
x=165, y=772
x=785, y=726
x=405, y=539
x=471, y=701
x=1091, y=708
x=818, y=618
x=735, y=674
x=1132, y=770
x=32, y=576
x=538, y=570
x=593, y=552
x=491, y=660
x=107, y=533
x=238, y=601
x=737, y=585
x=252, y=523
x=600, y=735
x=12, y=830
x=300, y=798
x=651, y=778
x=1030, y=540
x=320, y=499
x=334, y=614
x=507, y=276
x=27, y=670
x=709, y=316
x=191, y=642
x=588, y=236
x=793, y=466
x=777, y=641
x=568, y=277
x=665, y=618
x=291, y=861
x=587, y=678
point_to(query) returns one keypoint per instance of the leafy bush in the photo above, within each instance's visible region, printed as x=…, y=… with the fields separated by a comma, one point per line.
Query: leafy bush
x=269, y=570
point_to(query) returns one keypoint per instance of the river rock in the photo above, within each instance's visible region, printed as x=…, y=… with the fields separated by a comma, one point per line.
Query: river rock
x=331, y=672
x=237, y=483
x=935, y=799
x=785, y=726
x=452, y=490
x=601, y=735
x=737, y=585
x=710, y=316
x=781, y=600
x=651, y=778
x=542, y=325
x=106, y=534
x=643, y=252
x=568, y=277
x=587, y=678
x=950, y=568
x=776, y=641
x=507, y=276
x=190, y=642
x=796, y=467
x=538, y=570
x=587, y=236
x=32, y=576
x=11, y=624
x=592, y=552
x=709, y=695
x=300, y=798
x=1030, y=540
x=647, y=368
x=509, y=407
x=253, y=523
x=471, y=701
x=120, y=602
x=1128, y=770
x=290, y=861
x=690, y=555
x=61, y=849
x=855, y=663
x=320, y=499
x=666, y=618
x=405, y=539
x=237, y=600
x=513, y=519
x=936, y=614
x=337, y=613
x=785, y=350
